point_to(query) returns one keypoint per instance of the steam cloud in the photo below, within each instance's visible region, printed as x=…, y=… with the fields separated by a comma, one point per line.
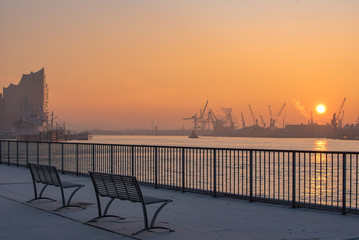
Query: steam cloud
x=300, y=108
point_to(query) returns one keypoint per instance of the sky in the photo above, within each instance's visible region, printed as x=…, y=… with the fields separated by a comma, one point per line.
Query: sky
x=137, y=64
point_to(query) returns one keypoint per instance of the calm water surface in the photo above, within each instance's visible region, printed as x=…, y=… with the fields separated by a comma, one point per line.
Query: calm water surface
x=233, y=142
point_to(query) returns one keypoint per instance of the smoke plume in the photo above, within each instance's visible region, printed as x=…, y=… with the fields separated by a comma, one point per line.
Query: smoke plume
x=300, y=108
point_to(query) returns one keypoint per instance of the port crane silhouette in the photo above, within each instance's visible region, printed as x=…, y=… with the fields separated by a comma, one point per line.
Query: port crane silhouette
x=337, y=120
x=198, y=120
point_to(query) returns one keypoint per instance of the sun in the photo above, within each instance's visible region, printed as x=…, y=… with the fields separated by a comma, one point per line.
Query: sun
x=320, y=108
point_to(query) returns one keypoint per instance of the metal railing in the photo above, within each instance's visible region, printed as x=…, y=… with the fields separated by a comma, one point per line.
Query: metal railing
x=311, y=179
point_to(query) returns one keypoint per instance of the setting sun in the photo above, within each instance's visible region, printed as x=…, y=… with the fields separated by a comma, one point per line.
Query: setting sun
x=320, y=108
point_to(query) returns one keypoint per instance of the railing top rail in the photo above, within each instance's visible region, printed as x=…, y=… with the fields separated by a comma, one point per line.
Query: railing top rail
x=191, y=147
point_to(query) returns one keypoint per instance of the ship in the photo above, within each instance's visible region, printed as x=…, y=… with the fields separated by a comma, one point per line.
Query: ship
x=26, y=129
x=193, y=135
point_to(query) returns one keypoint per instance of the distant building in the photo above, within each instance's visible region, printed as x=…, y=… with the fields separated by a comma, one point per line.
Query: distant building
x=28, y=99
x=2, y=112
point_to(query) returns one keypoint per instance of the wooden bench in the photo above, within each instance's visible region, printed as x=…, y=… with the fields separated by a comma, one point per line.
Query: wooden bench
x=115, y=186
x=48, y=175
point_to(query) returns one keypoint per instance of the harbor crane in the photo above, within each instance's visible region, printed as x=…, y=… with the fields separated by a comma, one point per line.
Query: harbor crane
x=264, y=124
x=244, y=123
x=198, y=120
x=202, y=115
x=277, y=116
x=211, y=118
x=253, y=117
x=271, y=118
x=228, y=120
x=337, y=120
x=270, y=111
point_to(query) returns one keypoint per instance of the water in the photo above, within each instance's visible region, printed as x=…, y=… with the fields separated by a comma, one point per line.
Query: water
x=233, y=142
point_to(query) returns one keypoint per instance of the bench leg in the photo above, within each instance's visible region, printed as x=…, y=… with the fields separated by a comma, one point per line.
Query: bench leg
x=100, y=215
x=69, y=200
x=157, y=212
x=148, y=228
x=40, y=196
x=107, y=206
x=72, y=194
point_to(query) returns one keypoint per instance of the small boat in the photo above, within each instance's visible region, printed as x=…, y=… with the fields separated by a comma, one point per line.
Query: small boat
x=193, y=135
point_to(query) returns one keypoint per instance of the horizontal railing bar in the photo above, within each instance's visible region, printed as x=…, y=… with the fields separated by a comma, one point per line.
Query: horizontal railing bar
x=192, y=147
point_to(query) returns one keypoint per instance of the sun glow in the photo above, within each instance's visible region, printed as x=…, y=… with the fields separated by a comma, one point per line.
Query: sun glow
x=320, y=108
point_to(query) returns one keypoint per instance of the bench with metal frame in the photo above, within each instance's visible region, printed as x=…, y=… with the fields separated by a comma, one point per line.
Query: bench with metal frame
x=48, y=175
x=123, y=187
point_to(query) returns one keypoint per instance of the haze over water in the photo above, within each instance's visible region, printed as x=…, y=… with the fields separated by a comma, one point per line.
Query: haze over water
x=233, y=142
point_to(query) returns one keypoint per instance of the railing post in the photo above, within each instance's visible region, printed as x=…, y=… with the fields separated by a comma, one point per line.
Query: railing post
x=37, y=152
x=17, y=153
x=27, y=153
x=49, y=153
x=111, y=159
x=0, y=152
x=183, y=171
x=294, y=180
x=77, y=159
x=93, y=157
x=344, y=183
x=156, y=165
x=8, y=153
x=214, y=173
x=133, y=160
x=250, y=176
x=62, y=158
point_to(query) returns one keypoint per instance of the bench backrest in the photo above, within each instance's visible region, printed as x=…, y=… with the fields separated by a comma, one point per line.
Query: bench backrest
x=44, y=174
x=117, y=186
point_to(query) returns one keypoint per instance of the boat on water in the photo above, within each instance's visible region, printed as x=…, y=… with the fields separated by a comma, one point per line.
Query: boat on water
x=193, y=135
x=27, y=129
x=7, y=134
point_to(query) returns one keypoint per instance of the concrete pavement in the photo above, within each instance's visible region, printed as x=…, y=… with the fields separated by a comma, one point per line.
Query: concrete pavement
x=193, y=216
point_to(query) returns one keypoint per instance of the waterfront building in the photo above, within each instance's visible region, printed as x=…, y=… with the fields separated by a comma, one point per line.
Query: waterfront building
x=27, y=100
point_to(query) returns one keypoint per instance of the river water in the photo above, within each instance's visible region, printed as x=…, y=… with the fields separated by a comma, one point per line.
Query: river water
x=316, y=144
x=316, y=177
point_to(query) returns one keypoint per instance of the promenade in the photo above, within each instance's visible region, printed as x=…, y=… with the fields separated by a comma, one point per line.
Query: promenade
x=193, y=216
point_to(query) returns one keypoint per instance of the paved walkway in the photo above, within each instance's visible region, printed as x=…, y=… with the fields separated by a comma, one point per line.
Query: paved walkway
x=193, y=216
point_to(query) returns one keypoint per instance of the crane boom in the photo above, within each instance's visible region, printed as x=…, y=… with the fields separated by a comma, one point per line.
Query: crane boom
x=254, y=119
x=204, y=110
x=271, y=122
x=340, y=110
x=280, y=111
x=341, y=120
x=338, y=116
x=212, y=113
x=243, y=122
x=264, y=124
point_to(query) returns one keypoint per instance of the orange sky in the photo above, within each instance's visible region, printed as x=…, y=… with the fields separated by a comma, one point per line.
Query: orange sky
x=123, y=64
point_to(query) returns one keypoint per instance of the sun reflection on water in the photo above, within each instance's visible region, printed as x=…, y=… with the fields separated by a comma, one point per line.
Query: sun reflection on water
x=321, y=145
